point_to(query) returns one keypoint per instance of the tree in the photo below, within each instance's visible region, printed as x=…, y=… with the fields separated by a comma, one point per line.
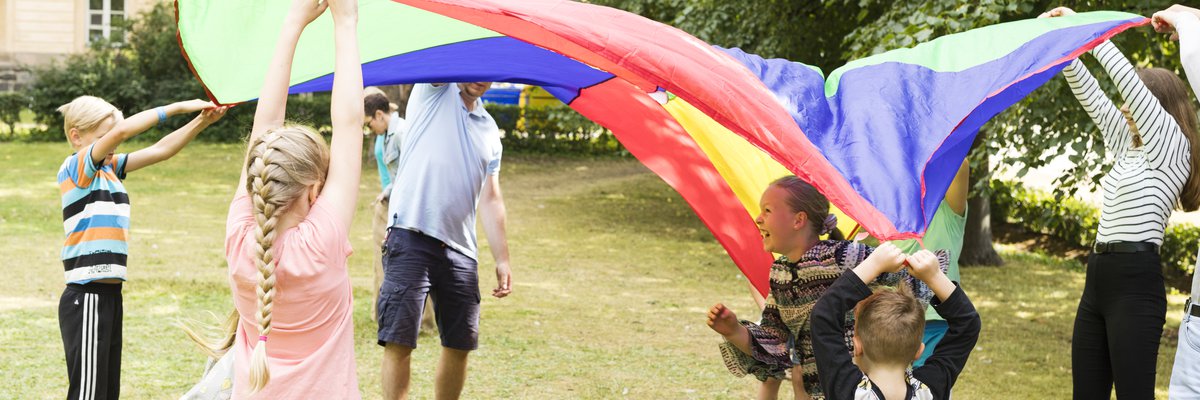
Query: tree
x=807, y=31
x=11, y=104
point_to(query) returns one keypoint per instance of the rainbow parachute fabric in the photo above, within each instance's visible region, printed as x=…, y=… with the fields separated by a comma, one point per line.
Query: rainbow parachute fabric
x=881, y=137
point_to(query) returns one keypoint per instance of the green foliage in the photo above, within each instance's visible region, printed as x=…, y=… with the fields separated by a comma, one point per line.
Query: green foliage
x=11, y=104
x=1076, y=223
x=551, y=130
x=806, y=31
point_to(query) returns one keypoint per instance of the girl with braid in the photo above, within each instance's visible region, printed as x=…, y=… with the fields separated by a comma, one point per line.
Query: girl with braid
x=793, y=216
x=286, y=235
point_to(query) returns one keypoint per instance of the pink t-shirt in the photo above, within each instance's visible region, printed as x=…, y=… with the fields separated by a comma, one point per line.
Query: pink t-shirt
x=311, y=345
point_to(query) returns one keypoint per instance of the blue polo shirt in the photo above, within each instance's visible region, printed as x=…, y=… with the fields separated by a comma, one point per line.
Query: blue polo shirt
x=445, y=157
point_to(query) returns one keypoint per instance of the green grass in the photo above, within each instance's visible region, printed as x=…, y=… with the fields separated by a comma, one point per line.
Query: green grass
x=612, y=276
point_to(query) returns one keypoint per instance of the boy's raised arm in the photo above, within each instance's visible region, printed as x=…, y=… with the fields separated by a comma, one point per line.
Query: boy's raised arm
x=139, y=123
x=170, y=145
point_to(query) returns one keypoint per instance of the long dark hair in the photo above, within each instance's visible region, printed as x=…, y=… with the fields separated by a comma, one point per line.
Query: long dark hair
x=1172, y=94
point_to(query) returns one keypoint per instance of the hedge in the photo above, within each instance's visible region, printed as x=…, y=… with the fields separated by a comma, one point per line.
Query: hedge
x=1075, y=222
x=551, y=130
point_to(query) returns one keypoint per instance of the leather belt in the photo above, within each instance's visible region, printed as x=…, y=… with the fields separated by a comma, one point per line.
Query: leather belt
x=1192, y=309
x=1124, y=247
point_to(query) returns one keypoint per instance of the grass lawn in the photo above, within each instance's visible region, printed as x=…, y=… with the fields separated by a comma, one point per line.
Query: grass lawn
x=612, y=276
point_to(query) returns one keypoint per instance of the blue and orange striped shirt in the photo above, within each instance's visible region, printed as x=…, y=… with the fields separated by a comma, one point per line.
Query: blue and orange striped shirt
x=95, y=217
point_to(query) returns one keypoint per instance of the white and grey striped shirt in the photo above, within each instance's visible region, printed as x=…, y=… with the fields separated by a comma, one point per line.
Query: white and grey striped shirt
x=1143, y=185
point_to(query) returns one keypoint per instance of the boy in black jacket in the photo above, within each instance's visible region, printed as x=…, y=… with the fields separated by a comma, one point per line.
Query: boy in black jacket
x=887, y=334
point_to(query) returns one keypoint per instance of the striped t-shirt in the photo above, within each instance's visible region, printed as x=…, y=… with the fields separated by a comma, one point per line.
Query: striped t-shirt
x=95, y=217
x=1144, y=183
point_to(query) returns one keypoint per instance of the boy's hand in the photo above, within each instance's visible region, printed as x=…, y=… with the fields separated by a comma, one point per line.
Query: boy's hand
x=885, y=258
x=211, y=115
x=190, y=106
x=924, y=265
x=304, y=12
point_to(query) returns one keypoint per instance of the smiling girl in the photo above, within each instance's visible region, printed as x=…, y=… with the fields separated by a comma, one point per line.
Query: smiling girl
x=793, y=215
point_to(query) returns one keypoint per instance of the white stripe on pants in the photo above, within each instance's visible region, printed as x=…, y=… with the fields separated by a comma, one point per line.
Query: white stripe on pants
x=1185, y=375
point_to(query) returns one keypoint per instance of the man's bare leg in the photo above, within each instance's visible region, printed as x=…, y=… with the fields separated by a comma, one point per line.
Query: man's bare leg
x=396, y=371
x=451, y=373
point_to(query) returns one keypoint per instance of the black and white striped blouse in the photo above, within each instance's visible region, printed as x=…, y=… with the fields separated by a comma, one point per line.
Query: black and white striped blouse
x=1143, y=185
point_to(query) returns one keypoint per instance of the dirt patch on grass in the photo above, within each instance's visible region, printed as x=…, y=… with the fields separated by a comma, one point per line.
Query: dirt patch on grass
x=1033, y=242
x=23, y=303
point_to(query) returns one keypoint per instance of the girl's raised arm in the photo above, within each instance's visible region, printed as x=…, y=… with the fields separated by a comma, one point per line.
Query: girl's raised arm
x=272, y=98
x=346, y=110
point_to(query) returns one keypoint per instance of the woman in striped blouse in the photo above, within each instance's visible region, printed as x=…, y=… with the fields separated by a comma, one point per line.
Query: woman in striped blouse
x=1153, y=141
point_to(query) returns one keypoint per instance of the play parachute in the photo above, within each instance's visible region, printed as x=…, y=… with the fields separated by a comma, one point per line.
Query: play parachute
x=881, y=137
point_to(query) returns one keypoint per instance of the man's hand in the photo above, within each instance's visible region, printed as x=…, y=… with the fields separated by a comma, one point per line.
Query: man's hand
x=503, y=280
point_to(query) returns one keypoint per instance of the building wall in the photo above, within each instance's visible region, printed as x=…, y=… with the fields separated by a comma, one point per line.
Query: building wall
x=7, y=26
x=36, y=31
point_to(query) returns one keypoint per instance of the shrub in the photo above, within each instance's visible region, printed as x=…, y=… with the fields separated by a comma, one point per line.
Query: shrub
x=11, y=104
x=1075, y=222
x=551, y=130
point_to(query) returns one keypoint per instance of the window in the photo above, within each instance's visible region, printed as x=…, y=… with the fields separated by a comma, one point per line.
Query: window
x=106, y=20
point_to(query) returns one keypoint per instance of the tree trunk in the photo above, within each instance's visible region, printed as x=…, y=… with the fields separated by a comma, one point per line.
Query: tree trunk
x=977, y=239
x=398, y=94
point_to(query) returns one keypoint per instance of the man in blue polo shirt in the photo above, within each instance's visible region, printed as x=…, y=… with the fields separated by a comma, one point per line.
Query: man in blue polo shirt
x=449, y=164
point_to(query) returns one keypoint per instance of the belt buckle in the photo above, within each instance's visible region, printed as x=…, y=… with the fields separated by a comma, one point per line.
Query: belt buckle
x=1100, y=247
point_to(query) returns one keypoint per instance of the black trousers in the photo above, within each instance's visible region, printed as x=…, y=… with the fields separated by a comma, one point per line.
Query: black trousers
x=89, y=317
x=1118, y=326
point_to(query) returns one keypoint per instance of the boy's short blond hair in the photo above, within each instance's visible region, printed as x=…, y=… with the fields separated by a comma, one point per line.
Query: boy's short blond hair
x=889, y=325
x=85, y=113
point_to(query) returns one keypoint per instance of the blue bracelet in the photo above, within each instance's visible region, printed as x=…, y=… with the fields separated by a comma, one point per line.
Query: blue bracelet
x=162, y=115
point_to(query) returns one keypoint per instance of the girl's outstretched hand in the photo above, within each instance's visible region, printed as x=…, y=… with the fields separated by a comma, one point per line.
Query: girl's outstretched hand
x=304, y=12
x=1164, y=22
x=344, y=9
x=723, y=320
x=1057, y=12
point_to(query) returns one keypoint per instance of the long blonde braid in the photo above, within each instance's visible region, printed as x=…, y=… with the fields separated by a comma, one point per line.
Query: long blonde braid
x=282, y=165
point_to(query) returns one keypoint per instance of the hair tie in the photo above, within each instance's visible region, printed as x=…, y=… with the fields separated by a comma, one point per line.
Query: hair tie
x=830, y=224
x=262, y=338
